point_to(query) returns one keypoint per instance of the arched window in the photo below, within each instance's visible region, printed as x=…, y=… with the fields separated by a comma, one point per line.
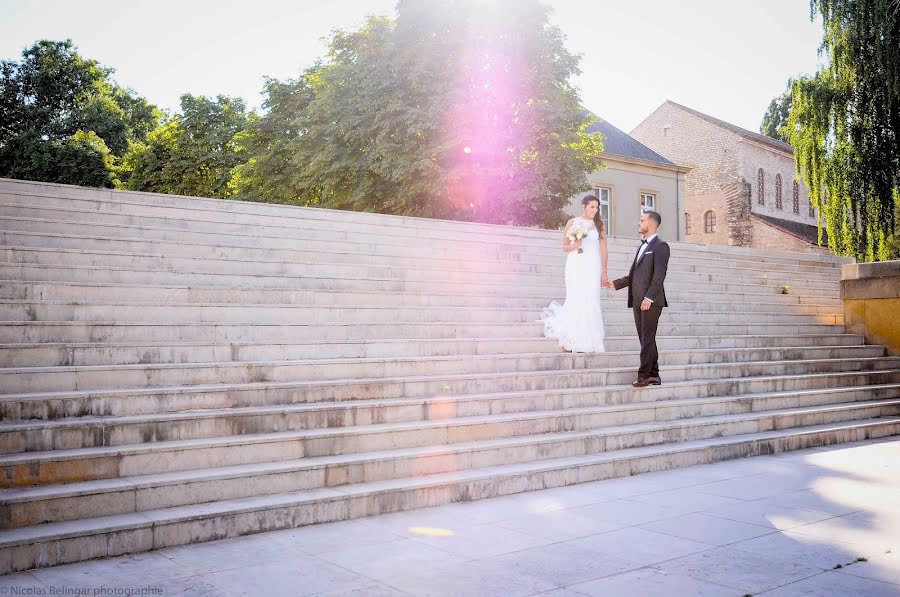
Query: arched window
x=709, y=221
x=796, y=198
x=778, y=202
x=688, y=226
x=760, y=187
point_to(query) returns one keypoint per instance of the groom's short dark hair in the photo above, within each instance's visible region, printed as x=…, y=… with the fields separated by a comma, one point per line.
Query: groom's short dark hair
x=653, y=215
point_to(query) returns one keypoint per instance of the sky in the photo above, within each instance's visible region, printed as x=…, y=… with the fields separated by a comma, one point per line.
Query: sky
x=722, y=57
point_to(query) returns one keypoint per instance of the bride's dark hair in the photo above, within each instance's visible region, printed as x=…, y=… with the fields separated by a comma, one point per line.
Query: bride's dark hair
x=598, y=223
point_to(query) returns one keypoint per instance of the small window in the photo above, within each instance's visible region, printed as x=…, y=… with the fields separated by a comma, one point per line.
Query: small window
x=796, y=198
x=778, y=200
x=760, y=187
x=604, y=193
x=688, y=225
x=648, y=202
x=709, y=222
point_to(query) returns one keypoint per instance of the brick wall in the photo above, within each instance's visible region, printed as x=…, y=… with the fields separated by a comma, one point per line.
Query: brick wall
x=709, y=150
x=697, y=206
x=740, y=227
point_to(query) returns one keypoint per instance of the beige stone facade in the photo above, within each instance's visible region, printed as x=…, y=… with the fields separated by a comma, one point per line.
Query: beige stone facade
x=635, y=177
x=727, y=165
x=625, y=182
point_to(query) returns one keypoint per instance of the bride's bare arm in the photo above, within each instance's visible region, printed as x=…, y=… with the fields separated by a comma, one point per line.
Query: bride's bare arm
x=604, y=256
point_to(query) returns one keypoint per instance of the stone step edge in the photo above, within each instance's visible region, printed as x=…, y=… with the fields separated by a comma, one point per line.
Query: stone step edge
x=625, y=253
x=428, y=378
x=464, y=486
x=186, y=344
x=120, y=450
x=473, y=358
x=551, y=290
x=330, y=432
x=60, y=490
x=260, y=324
x=531, y=234
x=726, y=262
x=294, y=289
x=262, y=386
x=688, y=298
x=394, y=268
x=186, y=203
x=33, y=190
x=672, y=311
x=506, y=356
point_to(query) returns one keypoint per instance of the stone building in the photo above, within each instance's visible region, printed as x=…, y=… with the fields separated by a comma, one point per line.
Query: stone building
x=741, y=189
x=635, y=178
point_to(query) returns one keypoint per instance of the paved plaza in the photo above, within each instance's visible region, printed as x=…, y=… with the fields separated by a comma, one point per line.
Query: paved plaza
x=824, y=521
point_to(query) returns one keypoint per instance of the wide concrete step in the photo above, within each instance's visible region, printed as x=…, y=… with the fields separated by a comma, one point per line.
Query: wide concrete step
x=380, y=375
x=317, y=292
x=86, y=432
x=34, y=406
x=691, y=257
x=625, y=427
x=373, y=228
x=104, y=331
x=110, y=353
x=171, y=312
x=462, y=285
x=549, y=262
x=241, y=266
x=348, y=368
x=63, y=542
x=87, y=292
x=64, y=465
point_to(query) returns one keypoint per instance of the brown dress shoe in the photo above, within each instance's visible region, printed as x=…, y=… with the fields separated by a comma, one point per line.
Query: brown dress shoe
x=640, y=383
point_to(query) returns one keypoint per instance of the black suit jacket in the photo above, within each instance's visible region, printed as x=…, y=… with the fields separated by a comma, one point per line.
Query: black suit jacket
x=646, y=277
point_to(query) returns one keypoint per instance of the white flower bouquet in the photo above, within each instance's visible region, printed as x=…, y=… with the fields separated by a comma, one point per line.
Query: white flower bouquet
x=575, y=234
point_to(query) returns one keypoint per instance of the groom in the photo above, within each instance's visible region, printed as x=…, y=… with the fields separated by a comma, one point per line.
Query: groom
x=645, y=284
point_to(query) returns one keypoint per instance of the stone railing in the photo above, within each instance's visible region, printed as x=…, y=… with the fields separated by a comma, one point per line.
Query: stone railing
x=871, y=296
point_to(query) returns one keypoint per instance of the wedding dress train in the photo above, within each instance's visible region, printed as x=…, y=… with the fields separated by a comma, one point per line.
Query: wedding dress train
x=578, y=323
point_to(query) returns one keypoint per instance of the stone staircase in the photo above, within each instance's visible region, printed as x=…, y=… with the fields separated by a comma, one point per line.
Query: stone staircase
x=176, y=370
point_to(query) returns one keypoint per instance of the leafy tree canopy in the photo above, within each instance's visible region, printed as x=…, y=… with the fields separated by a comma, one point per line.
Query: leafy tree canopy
x=845, y=126
x=63, y=119
x=193, y=153
x=777, y=115
x=456, y=109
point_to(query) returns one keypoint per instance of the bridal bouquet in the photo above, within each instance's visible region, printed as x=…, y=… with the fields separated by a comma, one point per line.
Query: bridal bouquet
x=575, y=234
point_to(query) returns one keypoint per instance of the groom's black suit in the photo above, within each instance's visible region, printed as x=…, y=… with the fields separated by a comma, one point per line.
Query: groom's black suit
x=645, y=280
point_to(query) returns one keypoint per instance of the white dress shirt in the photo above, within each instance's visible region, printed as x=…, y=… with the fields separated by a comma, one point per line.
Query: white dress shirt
x=644, y=248
x=641, y=254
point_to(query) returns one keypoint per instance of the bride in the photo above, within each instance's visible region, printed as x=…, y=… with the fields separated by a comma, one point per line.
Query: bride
x=578, y=323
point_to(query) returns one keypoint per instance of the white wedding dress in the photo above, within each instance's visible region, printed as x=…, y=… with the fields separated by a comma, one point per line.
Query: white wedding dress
x=578, y=323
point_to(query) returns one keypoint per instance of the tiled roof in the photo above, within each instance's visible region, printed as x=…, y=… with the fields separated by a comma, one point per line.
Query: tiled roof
x=806, y=232
x=617, y=142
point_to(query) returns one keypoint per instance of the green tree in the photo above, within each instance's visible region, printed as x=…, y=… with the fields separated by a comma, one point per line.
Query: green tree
x=193, y=153
x=777, y=115
x=456, y=109
x=845, y=126
x=63, y=119
x=268, y=175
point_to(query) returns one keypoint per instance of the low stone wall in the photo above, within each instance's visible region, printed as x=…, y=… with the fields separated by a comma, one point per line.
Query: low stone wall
x=871, y=296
